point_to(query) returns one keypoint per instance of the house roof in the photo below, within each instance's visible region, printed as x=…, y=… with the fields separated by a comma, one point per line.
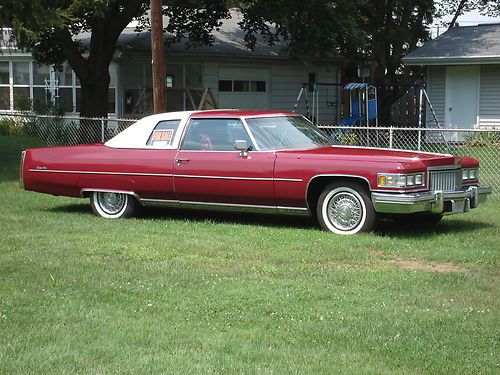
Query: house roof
x=460, y=45
x=228, y=42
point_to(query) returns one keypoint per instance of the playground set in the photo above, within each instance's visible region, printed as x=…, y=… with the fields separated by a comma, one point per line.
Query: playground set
x=356, y=105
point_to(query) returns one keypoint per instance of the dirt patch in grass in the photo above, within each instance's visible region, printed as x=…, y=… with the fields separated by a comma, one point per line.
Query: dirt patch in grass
x=416, y=265
x=375, y=251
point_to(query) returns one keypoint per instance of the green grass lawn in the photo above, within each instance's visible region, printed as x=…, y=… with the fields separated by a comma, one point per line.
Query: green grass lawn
x=181, y=292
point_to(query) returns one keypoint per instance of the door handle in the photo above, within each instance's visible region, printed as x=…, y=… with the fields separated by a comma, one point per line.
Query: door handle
x=180, y=161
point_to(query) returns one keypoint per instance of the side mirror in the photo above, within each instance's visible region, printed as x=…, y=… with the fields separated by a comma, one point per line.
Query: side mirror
x=242, y=146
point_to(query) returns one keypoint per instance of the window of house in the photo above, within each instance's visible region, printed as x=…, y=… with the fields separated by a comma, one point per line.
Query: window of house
x=163, y=133
x=21, y=89
x=214, y=135
x=4, y=73
x=137, y=86
x=311, y=80
x=26, y=85
x=241, y=86
x=225, y=85
x=4, y=98
x=4, y=86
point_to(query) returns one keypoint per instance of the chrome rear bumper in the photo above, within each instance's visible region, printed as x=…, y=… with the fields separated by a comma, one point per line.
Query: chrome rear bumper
x=438, y=202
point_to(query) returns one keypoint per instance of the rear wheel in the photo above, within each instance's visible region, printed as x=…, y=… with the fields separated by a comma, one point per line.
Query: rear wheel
x=112, y=205
x=345, y=208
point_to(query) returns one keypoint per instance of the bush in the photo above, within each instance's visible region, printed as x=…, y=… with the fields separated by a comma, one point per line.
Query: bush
x=9, y=126
x=483, y=139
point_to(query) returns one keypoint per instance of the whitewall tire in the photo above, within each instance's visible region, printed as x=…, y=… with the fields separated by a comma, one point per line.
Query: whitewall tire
x=345, y=208
x=112, y=205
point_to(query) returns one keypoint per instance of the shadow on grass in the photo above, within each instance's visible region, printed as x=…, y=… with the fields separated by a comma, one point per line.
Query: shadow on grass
x=389, y=228
x=8, y=174
x=76, y=208
x=408, y=229
x=220, y=217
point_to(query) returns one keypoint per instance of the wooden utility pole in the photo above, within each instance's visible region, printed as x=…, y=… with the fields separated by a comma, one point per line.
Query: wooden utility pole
x=158, y=57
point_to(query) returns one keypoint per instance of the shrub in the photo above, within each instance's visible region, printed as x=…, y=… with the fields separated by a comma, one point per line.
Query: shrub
x=483, y=139
x=9, y=126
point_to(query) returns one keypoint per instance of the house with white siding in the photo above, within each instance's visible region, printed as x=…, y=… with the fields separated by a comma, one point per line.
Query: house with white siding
x=463, y=76
x=266, y=78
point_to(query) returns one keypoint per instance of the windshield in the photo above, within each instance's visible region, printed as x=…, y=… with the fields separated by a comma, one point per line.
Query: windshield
x=286, y=133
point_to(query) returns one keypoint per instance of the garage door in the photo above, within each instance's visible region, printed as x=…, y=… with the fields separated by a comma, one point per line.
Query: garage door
x=245, y=88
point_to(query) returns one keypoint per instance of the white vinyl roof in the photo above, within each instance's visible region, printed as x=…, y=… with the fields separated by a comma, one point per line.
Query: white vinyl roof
x=137, y=134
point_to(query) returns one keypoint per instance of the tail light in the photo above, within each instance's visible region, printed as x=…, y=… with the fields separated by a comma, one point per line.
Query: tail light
x=21, y=167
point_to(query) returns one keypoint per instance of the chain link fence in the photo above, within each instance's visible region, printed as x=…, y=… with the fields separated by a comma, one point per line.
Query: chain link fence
x=20, y=131
x=483, y=144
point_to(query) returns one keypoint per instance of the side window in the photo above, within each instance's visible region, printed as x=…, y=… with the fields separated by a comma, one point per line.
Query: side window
x=214, y=135
x=163, y=133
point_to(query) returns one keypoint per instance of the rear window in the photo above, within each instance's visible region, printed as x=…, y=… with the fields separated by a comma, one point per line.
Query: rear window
x=163, y=133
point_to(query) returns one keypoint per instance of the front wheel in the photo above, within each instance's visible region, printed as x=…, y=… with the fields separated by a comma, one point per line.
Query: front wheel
x=112, y=205
x=345, y=208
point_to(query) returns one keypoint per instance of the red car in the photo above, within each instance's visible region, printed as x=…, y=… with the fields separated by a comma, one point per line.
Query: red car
x=254, y=161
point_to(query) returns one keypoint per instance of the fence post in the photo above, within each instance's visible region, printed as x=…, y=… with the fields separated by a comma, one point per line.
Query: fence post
x=420, y=110
x=391, y=136
x=102, y=130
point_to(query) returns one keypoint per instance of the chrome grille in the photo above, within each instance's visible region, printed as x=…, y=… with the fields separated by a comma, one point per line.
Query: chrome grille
x=446, y=180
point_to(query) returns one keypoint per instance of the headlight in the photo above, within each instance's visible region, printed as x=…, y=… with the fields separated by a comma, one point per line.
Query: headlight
x=411, y=180
x=470, y=174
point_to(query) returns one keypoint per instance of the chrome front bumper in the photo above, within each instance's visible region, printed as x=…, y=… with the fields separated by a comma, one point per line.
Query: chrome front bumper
x=438, y=202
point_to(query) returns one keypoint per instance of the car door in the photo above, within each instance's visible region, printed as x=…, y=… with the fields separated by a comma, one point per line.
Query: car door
x=208, y=169
x=156, y=162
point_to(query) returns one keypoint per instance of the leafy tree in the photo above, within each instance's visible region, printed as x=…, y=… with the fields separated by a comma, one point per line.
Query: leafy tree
x=456, y=8
x=361, y=30
x=48, y=29
x=372, y=33
x=52, y=31
x=391, y=29
x=311, y=30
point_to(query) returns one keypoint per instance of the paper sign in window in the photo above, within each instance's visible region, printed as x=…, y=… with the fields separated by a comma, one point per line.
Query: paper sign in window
x=163, y=137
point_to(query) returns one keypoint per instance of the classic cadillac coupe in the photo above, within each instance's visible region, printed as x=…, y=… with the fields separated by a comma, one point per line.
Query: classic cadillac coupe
x=254, y=161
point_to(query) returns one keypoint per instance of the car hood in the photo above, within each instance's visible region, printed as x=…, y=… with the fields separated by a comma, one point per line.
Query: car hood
x=368, y=154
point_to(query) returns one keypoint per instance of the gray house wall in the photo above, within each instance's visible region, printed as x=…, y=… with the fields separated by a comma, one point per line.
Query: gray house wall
x=284, y=83
x=436, y=89
x=489, y=96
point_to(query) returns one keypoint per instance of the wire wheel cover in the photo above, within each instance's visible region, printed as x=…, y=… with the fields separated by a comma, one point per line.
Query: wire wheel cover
x=345, y=211
x=111, y=203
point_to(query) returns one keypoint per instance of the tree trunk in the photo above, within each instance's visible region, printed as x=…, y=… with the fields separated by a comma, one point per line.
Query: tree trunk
x=94, y=103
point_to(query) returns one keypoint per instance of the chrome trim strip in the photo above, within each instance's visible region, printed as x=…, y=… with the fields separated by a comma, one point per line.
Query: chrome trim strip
x=303, y=211
x=86, y=190
x=159, y=202
x=427, y=197
x=109, y=173
x=397, y=190
x=226, y=206
x=170, y=175
x=431, y=201
x=332, y=175
x=250, y=134
x=289, y=179
x=224, y=177
x=239, y=178
x=444, y=167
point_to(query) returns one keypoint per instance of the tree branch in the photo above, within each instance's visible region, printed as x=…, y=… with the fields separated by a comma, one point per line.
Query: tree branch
x=458, y=12
x=70, y=50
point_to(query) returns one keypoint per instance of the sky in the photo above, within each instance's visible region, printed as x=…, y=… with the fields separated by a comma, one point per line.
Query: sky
x=467, y=19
